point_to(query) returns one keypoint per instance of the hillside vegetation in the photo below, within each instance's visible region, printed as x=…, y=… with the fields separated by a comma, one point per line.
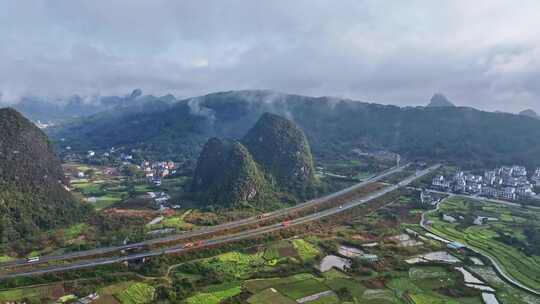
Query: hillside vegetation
x=32, y=195
x=273, y=157
x=282, y=149
x=226, y=174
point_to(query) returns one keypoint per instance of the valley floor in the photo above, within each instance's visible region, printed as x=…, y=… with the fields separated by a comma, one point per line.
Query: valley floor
x=377, y=256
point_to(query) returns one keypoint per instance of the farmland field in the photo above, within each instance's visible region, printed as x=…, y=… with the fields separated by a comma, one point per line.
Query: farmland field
x=302, y=289
x=33, y=293
x=305, y=250
x=215, y=294
x=487, y=238
x=138, y=293
x=269, y=296
x=234, y=265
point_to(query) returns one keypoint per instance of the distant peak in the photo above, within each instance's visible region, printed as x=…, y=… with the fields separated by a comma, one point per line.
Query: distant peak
x=529, y=113
x=439, y=100
x=136, y=93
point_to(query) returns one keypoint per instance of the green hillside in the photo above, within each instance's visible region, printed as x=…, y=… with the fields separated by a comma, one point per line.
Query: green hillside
x=282, y=149
x=32, y=195
x=226, y=175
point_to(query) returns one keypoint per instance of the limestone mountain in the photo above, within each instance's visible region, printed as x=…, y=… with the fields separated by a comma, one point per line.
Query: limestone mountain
x=529, y=113
x=439, y=100
x=226, y=175
x=61, y=110
x=32, y=193
x=282, y=149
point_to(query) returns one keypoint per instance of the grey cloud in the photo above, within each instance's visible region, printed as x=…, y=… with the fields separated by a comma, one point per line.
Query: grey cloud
x=483, y=55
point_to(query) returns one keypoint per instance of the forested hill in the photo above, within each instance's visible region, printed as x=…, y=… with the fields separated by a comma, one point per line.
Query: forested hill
x=283, y=151
x=332, y=126
x=226, y=175
x=32, y=195
x=274, y=157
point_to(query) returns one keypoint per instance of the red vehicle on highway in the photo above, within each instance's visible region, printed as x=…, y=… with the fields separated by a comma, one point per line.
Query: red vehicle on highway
x=286, y=223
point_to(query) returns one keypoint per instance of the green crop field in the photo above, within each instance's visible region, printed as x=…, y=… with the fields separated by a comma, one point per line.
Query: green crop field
x=379, y=296
x=327, y=299
x=115, y=288
x=305, y=250
x=137, y=293
x=269, y=296
x=302, y=289
x=88, y=188
x=5, y=258
x=427, y=299
x=142, y=189
x=355, y=288
x=426, y=272
x=236, y=265
x=17, y=294
x=34, y=294
x=107, y=200
x=215, y=294
x=261, y=284
x=299, y=286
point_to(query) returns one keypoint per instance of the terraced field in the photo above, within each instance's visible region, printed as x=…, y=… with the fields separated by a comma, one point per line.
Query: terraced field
x=516, y=263
x=138, y=293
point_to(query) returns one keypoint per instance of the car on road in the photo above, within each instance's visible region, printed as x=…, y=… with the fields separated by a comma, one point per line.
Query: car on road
x=32, y=260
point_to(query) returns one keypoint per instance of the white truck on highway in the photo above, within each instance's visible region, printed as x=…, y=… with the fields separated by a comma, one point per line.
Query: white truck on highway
x=32, y=260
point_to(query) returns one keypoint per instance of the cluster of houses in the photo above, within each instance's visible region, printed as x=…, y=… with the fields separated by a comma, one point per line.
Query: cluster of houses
x=428, y=199
x=479, y=220
x=162, y=200
x=93, y=154
x=508, y=183
x=155, y=171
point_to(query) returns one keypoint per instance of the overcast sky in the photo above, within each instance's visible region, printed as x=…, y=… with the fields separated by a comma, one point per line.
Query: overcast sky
x=482, y=53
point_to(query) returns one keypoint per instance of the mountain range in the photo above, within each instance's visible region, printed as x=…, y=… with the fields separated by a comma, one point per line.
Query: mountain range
x=54, y=111
x=179, y=130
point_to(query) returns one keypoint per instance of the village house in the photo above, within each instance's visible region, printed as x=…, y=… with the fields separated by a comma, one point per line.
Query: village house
x=440, y=182
x=489, y=177
x=536, y=177
x=519, y=171
x=525, y=191
x=509, y=193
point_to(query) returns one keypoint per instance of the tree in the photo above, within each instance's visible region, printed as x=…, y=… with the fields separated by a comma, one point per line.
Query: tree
x=90, y=173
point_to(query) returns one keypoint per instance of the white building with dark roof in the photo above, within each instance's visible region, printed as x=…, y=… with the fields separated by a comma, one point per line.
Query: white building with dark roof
x=508, y=193
x=536, y=177
x=518, y=171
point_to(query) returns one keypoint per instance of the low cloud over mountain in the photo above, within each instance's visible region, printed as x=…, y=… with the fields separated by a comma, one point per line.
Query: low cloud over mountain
x=383, y=51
